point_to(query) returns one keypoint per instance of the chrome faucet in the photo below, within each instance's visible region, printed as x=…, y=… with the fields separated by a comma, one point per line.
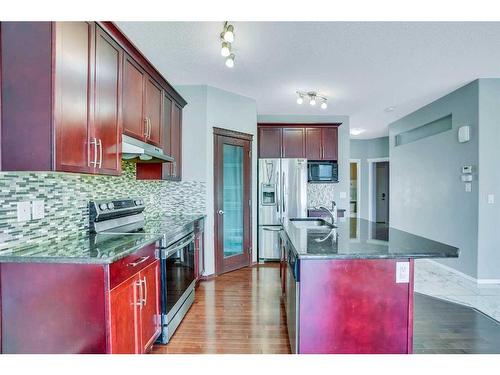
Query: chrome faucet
x=332, y=212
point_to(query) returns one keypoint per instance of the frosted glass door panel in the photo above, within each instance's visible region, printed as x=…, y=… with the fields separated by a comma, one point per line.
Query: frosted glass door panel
x=233, y=199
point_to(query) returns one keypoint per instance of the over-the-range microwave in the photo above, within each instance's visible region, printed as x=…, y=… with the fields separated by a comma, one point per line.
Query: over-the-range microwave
x=322, y=171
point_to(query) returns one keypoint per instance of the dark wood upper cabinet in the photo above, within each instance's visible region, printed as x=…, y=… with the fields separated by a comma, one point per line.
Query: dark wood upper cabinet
x=270, y=142
x=330, y=143
x=107, y=118
x=68, y=92
x=176, y=142
x=74, y=45
x=313, y=143
x=293, y=143
x=153, y=112
x=133, y=99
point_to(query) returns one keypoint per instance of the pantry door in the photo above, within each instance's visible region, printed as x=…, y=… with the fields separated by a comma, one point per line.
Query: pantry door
x=232, y=200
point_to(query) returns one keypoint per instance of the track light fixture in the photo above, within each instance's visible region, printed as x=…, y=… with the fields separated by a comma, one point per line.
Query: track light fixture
x=227, y=37
x=313, y=97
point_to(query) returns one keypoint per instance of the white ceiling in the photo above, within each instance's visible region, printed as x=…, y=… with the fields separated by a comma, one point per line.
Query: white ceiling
x=361, y=67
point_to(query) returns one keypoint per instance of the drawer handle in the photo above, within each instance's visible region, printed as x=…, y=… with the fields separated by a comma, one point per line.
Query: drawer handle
x=139, y=261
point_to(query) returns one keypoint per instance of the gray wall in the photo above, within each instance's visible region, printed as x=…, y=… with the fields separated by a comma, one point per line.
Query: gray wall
x=343, y=141
x=427, y=195
x=489, y=182
x=364, y=149
x=211, y=107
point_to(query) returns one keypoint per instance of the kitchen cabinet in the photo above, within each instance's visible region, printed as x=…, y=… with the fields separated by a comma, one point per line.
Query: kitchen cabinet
x=310, y=141
x=293, y=143
x=313, y=143
x=199, y=245
x=329, y=143
x=171, y=143
x=270, y=142
x=135, y=312
x=69, y=90
x=107, y=124
x=142, y=104
x=116, y=306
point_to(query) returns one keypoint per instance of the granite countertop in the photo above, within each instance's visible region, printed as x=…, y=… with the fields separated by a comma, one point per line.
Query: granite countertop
x=362, y=239
x=102, y=248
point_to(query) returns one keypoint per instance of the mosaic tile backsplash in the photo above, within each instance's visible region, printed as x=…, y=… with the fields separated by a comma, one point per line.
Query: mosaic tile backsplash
x=67, y=195
x=320, y=195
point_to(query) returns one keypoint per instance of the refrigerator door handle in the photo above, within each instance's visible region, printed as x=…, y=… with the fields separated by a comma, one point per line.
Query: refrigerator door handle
x=284, y=193
x=278, y=187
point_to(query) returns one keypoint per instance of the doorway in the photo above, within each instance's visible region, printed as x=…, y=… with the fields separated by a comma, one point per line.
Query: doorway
x=379, y=190
x=232, y=200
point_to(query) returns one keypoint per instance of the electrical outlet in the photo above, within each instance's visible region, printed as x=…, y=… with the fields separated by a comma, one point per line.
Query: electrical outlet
x=38, y=209
x=468, y=187
x=343, y=195
x=491, y=198
x=23, y=211
x=402, y=272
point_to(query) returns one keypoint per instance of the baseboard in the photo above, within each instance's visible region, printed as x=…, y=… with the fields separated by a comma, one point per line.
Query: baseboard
x=465, y=276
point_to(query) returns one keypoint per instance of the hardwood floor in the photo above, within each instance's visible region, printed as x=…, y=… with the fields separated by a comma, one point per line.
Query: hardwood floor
x=240, y=312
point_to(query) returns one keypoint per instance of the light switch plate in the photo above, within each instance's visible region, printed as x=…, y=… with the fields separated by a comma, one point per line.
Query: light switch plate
x=23, y=211
x=38, y=209
x=402, y=272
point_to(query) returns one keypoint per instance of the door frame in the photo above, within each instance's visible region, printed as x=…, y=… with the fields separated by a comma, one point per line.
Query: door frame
x=371, y=189
x=247, y=209
x=358, y=185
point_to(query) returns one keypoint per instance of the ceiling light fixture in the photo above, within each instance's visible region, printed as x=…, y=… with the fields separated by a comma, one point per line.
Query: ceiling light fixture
x=228, y=33
x=357, y=131
x=230, y=60
x=226, y=49
x=227, y=37
x=313, y=98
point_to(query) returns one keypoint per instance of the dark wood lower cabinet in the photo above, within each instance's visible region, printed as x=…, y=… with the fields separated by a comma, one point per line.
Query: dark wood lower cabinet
x=81, y=308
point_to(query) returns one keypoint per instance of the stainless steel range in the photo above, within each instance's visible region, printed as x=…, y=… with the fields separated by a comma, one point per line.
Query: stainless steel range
x=176, y=253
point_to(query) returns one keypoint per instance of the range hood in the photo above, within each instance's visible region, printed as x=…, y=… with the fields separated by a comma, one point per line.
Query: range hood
x=138, y=151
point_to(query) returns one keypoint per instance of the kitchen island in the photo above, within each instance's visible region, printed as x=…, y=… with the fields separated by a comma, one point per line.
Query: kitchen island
x=349, y=288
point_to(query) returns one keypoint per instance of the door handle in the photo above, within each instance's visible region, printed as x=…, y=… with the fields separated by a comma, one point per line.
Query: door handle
x=149, y=128
x=139, y=261
x=220, y=212
x=146, y=124
x=284, y=193
x=139, y=303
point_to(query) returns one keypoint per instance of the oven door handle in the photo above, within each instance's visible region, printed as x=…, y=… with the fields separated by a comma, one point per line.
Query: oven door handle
x=169, y=251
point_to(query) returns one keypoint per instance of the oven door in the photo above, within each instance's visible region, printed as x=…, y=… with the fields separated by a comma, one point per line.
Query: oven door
x=179, y=274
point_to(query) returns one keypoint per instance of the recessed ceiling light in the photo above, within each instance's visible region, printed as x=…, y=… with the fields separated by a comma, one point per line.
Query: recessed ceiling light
x=357, y=131
x=389, y=109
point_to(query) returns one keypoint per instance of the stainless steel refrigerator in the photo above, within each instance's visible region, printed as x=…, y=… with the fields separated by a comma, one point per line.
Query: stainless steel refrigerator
x=282, y=194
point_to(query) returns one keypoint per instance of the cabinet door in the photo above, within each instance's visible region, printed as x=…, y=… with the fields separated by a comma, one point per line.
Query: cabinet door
x=176, y=143
x=150, y=310
x=293, y=143
x=330, y=143
x=167, y=168
x=270, y=142
x=107, y=129
x=74, y=43
x=153, y=112
x=133, y=99
x=124, y=301
x=313, y=144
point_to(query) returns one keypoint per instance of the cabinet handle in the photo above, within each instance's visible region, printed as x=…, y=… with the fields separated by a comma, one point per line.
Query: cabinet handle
x=100, y=152
x=146, y=124
x=94, y=161
x=139, y=261
x=145, y=299
x=322, y=152
x=139, y=303
x=175, y=169
x=150, y=127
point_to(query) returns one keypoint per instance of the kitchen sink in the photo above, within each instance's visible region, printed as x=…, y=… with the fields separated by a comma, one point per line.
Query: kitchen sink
x=312, y=223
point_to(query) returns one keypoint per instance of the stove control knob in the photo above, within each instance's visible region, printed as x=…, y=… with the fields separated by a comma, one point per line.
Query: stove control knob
x=137, y=202
x=103, y=206
x=111, y=206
